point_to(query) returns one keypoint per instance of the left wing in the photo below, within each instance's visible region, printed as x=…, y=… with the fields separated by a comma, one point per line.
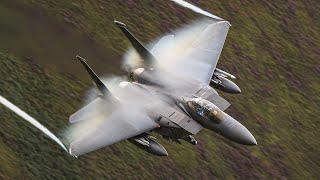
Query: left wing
x=193, y=55
x=165, y=43
x=198, y=59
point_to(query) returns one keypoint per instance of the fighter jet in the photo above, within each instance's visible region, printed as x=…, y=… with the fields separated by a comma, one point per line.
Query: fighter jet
x=169, y=91
x=178, y=97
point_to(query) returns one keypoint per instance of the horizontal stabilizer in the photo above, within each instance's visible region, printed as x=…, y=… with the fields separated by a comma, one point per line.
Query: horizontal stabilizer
x=144, y=53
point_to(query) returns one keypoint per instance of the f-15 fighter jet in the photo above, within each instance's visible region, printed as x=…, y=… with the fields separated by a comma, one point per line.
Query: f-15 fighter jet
x=173, y=97
x=170, y=92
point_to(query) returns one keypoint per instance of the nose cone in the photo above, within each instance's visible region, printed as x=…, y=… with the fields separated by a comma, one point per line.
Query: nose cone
x=235, y=131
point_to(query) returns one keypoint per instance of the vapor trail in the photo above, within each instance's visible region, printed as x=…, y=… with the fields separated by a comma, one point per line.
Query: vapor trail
x=196, y=9
x=31, y=120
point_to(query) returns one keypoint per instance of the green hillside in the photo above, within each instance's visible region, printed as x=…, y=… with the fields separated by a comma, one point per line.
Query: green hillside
x=273, y=47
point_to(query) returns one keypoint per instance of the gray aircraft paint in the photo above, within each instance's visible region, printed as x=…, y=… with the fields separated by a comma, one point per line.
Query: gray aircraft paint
x=182, y=76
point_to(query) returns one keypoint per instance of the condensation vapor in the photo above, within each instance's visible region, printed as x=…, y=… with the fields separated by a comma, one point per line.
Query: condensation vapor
x=100, y=117
x=94, y=112
x=196, y=9
x=31, y=120
x=186, y=36
x=169, y=50
x=94, y=120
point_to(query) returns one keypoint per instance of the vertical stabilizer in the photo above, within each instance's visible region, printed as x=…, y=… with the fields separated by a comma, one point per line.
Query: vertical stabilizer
x=100, y=85
x=144, y=53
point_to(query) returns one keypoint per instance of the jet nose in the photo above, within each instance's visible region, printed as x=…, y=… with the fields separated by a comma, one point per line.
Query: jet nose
x=243, y=136
x=235, y=131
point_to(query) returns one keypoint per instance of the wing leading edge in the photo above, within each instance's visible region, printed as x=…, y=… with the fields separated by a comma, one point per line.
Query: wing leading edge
x=198, y=59
x=207, y=49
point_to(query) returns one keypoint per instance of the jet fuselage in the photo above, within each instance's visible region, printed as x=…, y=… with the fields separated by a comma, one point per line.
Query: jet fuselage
x=201, y=110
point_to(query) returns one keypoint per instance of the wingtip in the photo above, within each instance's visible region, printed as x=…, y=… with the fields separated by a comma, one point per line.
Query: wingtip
x=228, y=22
x=225, y=21
x=70, y=152
x=120, y=24
x=80, y=58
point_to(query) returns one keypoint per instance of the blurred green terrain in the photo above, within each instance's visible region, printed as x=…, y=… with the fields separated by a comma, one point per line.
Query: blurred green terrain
x=273, y=48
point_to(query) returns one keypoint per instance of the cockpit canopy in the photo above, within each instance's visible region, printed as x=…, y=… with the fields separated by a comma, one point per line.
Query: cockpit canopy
x=205, y=109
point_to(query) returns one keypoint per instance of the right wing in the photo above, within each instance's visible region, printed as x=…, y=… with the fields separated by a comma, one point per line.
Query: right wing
x=97, y=132
x=90, y=111
x=105, y=121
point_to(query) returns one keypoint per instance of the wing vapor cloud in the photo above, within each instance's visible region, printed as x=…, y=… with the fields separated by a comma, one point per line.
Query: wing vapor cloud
x=135, y=104
x=102, y=122
x=169, y=50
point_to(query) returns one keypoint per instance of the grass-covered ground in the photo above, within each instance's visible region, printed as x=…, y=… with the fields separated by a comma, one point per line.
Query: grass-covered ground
x=273, y=48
